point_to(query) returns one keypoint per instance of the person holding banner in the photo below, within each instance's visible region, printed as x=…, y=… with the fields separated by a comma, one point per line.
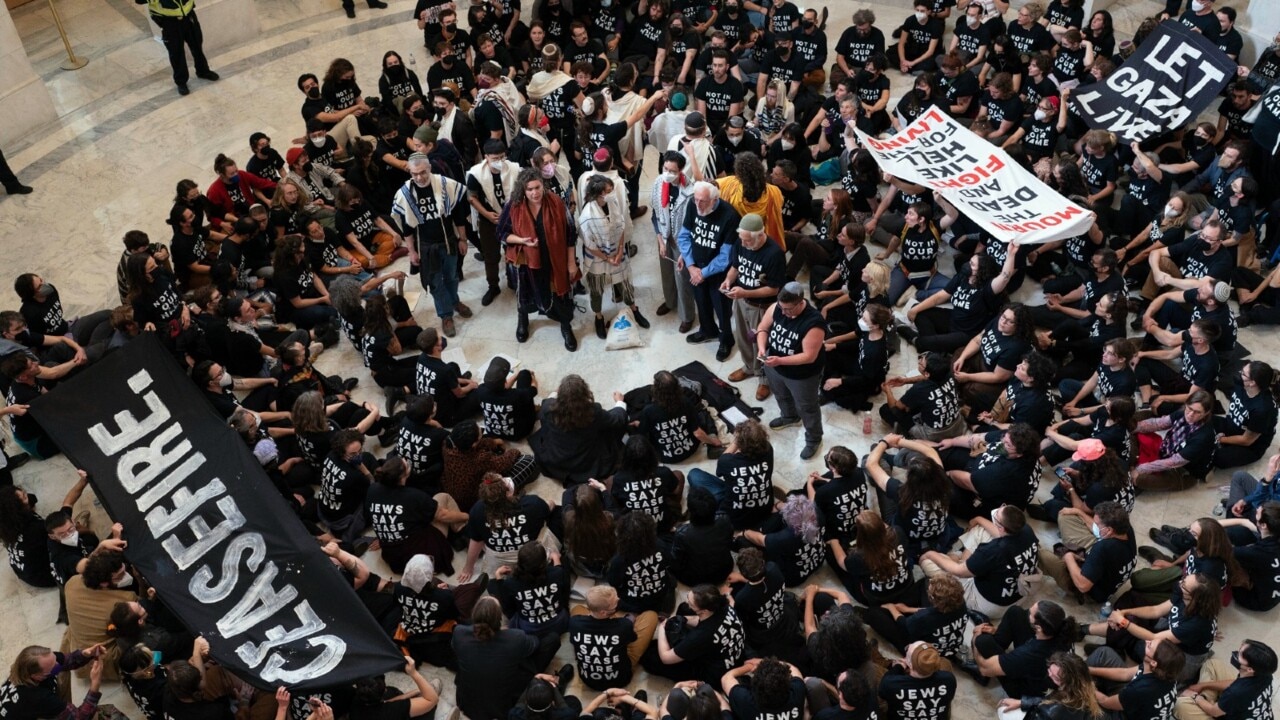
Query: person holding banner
x=920, y=241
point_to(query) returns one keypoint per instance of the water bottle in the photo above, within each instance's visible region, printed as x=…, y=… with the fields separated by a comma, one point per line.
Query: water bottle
x=413, y=62
x=866, y=423
x=1106, y=610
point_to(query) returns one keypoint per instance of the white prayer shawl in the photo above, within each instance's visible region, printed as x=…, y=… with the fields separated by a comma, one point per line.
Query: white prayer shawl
x=618, y=198
x=446, y=124
x=667, y=125
x=603, y=232
x=484, y=176
x=543, y=83
x=561, y=162
x=509, y=101
x=632, y=144
x=700, y=151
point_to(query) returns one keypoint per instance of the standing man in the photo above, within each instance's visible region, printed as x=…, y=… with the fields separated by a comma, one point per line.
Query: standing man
x=757, y=268
x=179, y=28
x=789, y=343
x=705, y=240
x=435, y=208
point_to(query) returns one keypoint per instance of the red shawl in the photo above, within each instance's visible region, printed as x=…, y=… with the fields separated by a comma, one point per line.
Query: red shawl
x=555, y=228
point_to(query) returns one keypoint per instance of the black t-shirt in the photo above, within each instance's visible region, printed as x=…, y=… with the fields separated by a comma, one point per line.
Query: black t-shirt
x=1147, y=697
x=797, y=558
x=919, y=249
x=671, y=433
x=647, y=494
x=147, y=693
x=1030, y=405
x=438, y=74
x=522, y=526
x=703, y=553
x=32, y=702
x=945, y=631
x=870, y=89
x=29, y=553
x=856, y=48
x=971, y=39
x=1195, y=263
x=600, y=650
x=1030, y=40
x=1200, y=370
x=1002, y=480
x=1098, y=171
x=1262, y=561
x=743, y=703
x=45, y=317
x=972, y=307
x=997, y=564
x=1194, y=633
x=642, y=584
x=797, y=205
x=25, y=426
x=424, y=612
x=923, y=522
x=713, y=646
x=923, y=698
x=786, y=338
x=764, y=267
x=509, y=413
x=1207, y=24
x=591, y=53
x=931, y=404
x=883, y=588
x=1248, y=699
x=998, y=111
x=768, y=616
x=1257, y=414
x=1109, y=563
x=963, y=85
x=1039, y=138
x=719, y=97
x=916, y=36
x=999, y=350
x=396, y=513
x=297, y=283
x=648, y=37
x=175, y=709
x=437, y=378
x=784, y=18
x=1029, y=663
x=536, y=601
x=840, y=500
x=748, y=497
x=342, y=487
x=267, y=168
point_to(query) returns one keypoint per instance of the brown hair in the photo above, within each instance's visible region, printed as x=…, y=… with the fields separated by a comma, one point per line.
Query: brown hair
x=875, y=543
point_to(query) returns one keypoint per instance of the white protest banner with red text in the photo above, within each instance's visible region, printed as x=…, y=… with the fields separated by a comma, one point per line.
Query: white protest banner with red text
x=981, y=180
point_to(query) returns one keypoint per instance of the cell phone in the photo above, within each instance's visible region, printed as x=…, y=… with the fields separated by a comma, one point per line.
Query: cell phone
x=1061, y=473
x=156, y=656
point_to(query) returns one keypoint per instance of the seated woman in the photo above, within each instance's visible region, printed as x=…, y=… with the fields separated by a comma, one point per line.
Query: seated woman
x=919, y=505
x=849, y=246
x=1213, y=556
x=501, y=524
x=1146, y=690
x=1025, y=399
x=920, y=242
x=640, y=569
x=508, y=401
x=1007, y=472
x=711, y=642
x=389, y=329
x=1078, y=344
x=878, y=571
x=1189, y=619
x=855, y=377
x=930, y=410
x=702, y=550
x=1111, y=423
x=987, y=362
x=428, y=607
x=420, y=440
x=303, y=299
x=839, y=494
x=1097, y=475
x=743, y=483
x=836, y=638
x=144, y=679
x=1186, y=451
x=578, y=440
x=643, y=485
x=535, y=593
x=1262, y=589
x=975, y=295
x=469, y=457
x=1017, y=653
x=1114, y=377
x=1067, y=693
x=673, y=424
x=129, y=627
x=588, y=530
x=792, y=538
x=371, y=239
x=940, y=623
x=408, y=521
x=1246, y=431
x=866, y=282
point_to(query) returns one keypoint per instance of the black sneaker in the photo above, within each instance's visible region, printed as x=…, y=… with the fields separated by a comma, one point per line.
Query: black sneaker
x=699, y=337
x=783, y=422
x=723, y=352
x=17, y=188
x=184, y=90
x=564, y=676
x=810, y=449
x=1037, y=512
x=209, y=75
x=490, y=295
x=600, y=328
x=908, y=333
x=971, y=668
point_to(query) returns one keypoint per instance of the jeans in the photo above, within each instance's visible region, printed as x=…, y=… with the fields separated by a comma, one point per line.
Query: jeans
x=798, y=398
x=313, y=316
x=699, y=478
x=898, y=284
x=443, y=282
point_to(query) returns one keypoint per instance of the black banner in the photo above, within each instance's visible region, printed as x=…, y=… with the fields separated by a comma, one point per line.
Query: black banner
x=206, y=527
x=1173, y=76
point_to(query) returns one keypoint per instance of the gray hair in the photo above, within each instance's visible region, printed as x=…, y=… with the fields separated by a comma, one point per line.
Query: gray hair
x=418, y=572
x=418, y=159
x=709, y=187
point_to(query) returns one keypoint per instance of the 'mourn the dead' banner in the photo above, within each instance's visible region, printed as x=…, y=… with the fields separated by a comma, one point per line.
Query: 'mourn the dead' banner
x=207, y=529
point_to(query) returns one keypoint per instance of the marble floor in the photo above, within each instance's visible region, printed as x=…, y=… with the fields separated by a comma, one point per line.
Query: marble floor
x=124, y=139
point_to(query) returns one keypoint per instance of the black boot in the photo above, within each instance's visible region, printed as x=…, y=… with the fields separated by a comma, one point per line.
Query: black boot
x=522, y=327
x=570, y=342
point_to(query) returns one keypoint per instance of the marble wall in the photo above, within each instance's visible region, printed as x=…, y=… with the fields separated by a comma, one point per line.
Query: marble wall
x=25, y=104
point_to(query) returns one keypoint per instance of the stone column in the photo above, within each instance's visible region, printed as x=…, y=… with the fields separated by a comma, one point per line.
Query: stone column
x=1258, y=23
x=25, y=103
x=224, y=23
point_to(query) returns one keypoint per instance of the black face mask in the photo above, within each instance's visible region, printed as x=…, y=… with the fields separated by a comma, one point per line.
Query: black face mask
x=396, y=71
x=313, y=93
x=1235, y=659
x=447, y=60
x=308, y=167
x=451, y=28
x=806, y=24
x=420, y=113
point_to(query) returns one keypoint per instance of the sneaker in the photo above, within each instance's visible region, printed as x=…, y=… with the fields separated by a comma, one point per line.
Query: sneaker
x=723, y=352
x=463, y=311
x=810, y=449
x=1037, y=512
x=209, y=75
x=564, y=676
x=448, y=327
x=17, y=188
x=783, y=422
x=351, y=12
x=908, y=333
x=699, y=337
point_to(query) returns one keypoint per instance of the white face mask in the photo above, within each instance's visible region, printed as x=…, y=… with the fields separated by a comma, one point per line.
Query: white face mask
x=1041, y=115
x=922, y=18
x=549, y=170
x=226, y=380
x=788, y=145
x=319, y=141
x=974, y=21
x=668, y=177
x=125, y=581
x=71, y=540
x=734, y=139
x=498, y=165
x=1196, y=6
x=1169, y=212
x=863, y=325
x=1097, y=532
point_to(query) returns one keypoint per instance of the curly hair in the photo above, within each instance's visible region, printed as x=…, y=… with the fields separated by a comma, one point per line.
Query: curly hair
x=749, y=170
x=752, y=440
x=498, y=504
x=1107, y=469
x=125, y=624
x=284, y=260
x=876, y=542
x=526, y=176
x=771, y=686
x=839, y=644
x=588, y=528
x=667, y=393
x=637, y=536
x=946, y=594
x=801, y=516
x=1040, y=368
x=575, y=405
x=531, y=563
x=377, y=316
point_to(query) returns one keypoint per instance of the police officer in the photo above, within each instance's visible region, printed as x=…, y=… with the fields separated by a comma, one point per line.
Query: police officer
x=180, y=27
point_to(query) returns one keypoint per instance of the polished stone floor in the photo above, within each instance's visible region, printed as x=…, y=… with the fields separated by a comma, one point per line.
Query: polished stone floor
x=125, y=138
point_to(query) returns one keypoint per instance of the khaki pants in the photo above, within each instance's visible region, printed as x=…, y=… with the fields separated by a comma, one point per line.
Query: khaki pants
x=646, y=623
x=1212, y=671
x=347, y=129
x=973, y=599
x=1076, y=531
x=746, y=317
x=1150, y=290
